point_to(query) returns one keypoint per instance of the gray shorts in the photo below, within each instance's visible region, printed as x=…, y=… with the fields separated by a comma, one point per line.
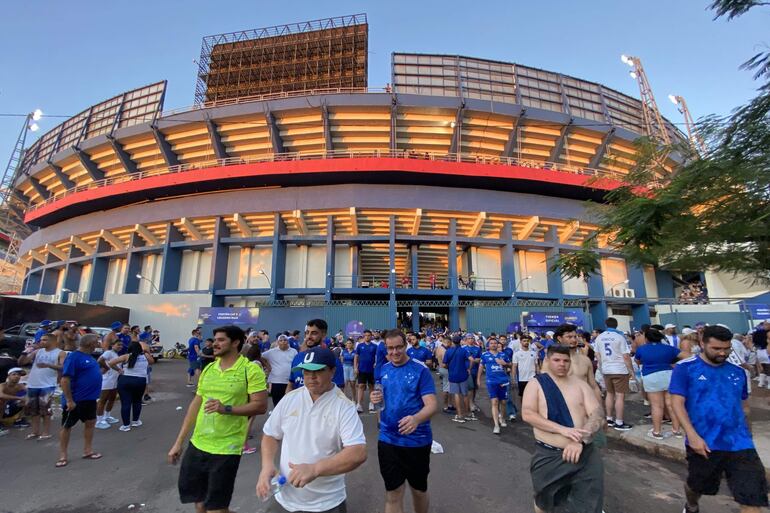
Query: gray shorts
x=458, y=388
x=580, y=487
x=275, y=507
x=444, y=374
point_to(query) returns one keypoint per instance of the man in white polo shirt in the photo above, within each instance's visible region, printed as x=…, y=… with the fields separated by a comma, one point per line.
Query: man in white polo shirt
x=321, y=439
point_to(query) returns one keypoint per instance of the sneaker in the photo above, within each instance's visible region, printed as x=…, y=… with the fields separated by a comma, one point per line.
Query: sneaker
x=459, y=419
x=653, y=434
x=511, y=417
x=503, y=423
x=622, y=427
x=666, y=421
x=111, y=419
x=678, y=434
x=102, y=424
x=474, y=409
x=359, y=409
x=136, y=423
x=610, y=422
x=646, y=402
x=124, y=428
x=471, y=417
x=21, y=424
x=371, y=408
x=249, y=450
x=648, y=415
x=496, y=430
x=147, y=398
x=685, y=509
x=189, y=385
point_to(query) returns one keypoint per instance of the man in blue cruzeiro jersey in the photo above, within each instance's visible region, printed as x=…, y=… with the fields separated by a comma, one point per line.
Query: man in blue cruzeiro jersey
x=363, y=367
x=709, y=396
x=496, y=364
x=405, y=438
x=474, y=356
x=418, y=352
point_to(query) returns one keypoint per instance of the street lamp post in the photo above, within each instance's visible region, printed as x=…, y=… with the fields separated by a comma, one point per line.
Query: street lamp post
x=624, y=282
x=140, y=277
x=262, y=272
x=521, y=281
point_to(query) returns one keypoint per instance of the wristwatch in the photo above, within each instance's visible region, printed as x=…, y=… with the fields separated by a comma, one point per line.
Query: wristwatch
x=228, y=409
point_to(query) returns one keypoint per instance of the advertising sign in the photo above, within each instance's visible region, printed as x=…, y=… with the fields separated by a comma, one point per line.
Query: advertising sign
x=758, y=311
x=552, y=319
x=354, y=329
x=223, y=315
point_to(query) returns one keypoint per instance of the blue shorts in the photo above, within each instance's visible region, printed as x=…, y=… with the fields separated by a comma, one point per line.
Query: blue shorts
x=193, y=366
x=498, y=390
x=458, y=388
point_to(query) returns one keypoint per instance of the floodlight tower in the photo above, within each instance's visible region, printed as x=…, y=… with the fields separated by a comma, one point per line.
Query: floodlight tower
x=653, y=121
x=696, y=141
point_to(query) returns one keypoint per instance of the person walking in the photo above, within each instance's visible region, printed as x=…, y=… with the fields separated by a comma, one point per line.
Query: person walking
x=496, y=364
x=279, y=361
x=408, y=401
x=348, y=356
x=46, y=362
x=320, y=436
x=193, y=358
x=617, y=369
x=363, y=365
x=104, y=418
x=709, y=396
x=132, y=380
x=230, y=390
x=81, y=384
x=457, y=362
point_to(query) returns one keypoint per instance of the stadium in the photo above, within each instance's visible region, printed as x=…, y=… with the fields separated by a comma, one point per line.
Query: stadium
x=294, y=188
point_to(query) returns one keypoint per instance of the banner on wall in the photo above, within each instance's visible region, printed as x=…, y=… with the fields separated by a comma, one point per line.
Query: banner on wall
x=354, y=329
x=759, y=311
x=553, y=319
x=223, y=315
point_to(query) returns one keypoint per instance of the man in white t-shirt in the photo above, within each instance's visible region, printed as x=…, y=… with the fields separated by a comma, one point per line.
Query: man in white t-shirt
x=524, y=364
x=321, y=439
x=614, y=356
x=672, y=338
x=41, y=383
x=278, y=363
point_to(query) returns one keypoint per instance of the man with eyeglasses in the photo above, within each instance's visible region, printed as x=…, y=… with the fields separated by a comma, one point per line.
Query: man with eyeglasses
x=408, y=401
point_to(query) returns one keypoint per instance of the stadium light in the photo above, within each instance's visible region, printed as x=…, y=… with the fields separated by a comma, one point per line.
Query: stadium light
x=34, y=127
x=625, y=59
x=632, y=74
x=673, y=99
x=37, y=114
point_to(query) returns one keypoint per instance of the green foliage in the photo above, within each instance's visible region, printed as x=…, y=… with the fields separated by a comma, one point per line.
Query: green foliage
x=578, y=264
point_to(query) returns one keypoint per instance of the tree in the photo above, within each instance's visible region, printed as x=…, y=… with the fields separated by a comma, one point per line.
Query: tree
x=713, y=212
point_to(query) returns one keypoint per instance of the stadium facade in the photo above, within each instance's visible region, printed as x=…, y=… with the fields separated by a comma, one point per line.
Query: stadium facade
x=447, y=194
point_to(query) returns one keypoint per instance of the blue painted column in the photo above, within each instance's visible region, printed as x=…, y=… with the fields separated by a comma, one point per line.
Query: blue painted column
x=640, y=312
x=453, y=258
x=508, y=271
x=665, y=284
x=219, y=260
x=392, y=310
x=278, y=271
x=354, y=265
x=134, y=265
x=555, y=285
x=598, y=304
x=392, y=278
x=454, y=314
x=33, y=281
x=415, y=257
x=98, y=280
x=172, y=261
x=50, y=280
x=330, y=255
x=72, y=275
x=415, y=317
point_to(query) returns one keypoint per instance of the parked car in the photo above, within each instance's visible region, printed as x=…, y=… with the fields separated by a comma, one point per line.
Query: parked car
x=18, y=337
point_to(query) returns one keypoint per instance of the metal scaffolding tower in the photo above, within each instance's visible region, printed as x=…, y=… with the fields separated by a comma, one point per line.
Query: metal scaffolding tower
x=653, y=121
x=696, y=141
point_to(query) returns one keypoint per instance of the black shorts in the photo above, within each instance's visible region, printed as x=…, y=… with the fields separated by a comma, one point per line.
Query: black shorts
x=743, y=469
x=365, y=378
x=399, y=464
x=207, y=478
x=84, y=411
x=522, y=386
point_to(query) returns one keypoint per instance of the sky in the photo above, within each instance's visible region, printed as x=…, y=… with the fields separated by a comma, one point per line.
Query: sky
x=63, y=57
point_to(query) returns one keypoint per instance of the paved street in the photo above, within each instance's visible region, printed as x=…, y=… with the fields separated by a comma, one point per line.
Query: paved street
x=478, y=472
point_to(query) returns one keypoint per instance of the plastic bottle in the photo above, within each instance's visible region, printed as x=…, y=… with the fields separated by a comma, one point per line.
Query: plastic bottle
x=207, y=424
x=276, y=484
x=380, y=405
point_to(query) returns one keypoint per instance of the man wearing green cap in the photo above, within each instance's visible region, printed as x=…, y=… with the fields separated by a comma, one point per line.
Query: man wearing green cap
x=321, y=439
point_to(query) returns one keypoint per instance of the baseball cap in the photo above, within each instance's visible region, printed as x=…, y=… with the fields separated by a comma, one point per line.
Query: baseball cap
x=316, y=359
x=19, y=370
x=45, y=324
x=116, y=325
x=688, y=331
x=456, y=339
x=670, y=326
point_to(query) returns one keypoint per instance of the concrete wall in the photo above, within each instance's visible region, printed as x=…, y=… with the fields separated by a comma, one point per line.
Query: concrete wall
x=175, y=315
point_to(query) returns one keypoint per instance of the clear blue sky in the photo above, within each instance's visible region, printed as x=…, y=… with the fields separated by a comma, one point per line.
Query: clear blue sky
x=62, y=56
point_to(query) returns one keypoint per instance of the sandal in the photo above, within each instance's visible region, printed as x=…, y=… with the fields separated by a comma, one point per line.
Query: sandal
x=92, y=456
x=45, y=437
x=31, y=436
x=62, y=462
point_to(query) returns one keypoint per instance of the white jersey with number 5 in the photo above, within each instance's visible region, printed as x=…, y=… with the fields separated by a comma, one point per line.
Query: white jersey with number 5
x=612, y=345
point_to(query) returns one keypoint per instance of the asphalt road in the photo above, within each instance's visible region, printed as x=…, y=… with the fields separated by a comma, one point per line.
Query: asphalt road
x=478, y=472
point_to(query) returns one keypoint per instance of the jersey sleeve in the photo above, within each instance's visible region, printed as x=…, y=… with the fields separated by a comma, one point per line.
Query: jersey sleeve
x=68, y=369
x=256, y=378
x=426, y=386
x=446, y=355
x=745, y=387
x=351, y=428
x=679, y=385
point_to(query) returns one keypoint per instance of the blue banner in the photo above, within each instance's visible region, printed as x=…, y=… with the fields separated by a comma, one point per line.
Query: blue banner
x=354, y=329
x=552, y=319
x=221, y=316
x=759, y=311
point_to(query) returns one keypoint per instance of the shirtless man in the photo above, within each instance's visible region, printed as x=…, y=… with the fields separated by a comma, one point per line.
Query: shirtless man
x=443, y=372
x=12, y=399
x=580, y=366
x=565, y=415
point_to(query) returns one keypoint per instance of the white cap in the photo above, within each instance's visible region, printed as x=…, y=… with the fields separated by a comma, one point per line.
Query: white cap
x=670, y=326
x=688, y=331
x=549, y=333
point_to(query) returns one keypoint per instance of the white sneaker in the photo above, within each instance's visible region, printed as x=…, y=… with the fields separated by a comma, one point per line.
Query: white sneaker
x=503, y=423
x=371, y=408
x=359, y=409
x=124, y=428
x=102, y=424
x=511, y=417
x=136, y=423
x=111, y=419
x=496, y=430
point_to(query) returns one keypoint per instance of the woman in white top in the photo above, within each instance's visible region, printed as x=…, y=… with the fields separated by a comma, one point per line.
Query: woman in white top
x=104, y=416
x=132, y=381
x=41, y=384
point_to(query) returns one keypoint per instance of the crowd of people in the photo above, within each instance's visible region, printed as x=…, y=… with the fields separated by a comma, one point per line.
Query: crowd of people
x=570, y=386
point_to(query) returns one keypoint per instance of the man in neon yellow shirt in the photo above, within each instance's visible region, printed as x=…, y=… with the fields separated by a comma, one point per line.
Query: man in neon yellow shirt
x=230, y=390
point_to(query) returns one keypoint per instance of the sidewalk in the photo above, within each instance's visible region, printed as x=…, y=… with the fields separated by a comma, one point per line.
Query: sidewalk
x=673, y=448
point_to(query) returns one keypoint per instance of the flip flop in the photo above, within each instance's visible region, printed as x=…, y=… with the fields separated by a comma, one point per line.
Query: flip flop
x=45, y=437
x=92, y=456
x=31, y=436
x=61, y=463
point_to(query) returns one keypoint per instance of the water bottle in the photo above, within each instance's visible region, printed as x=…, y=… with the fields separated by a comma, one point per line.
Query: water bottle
x=207, y=424
x=381, y=405
x=276, y=484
